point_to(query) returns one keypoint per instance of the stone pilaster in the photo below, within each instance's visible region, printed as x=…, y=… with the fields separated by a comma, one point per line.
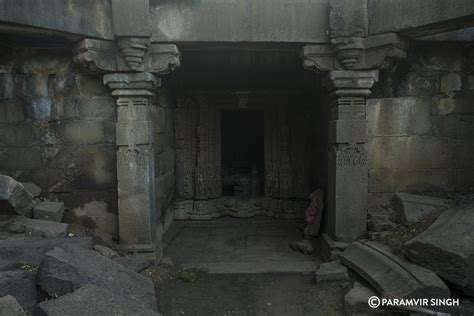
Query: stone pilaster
x=347, y=153
x=135, y=158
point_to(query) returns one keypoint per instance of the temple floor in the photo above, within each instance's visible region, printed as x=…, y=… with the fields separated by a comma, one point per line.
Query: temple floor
x=230, y=245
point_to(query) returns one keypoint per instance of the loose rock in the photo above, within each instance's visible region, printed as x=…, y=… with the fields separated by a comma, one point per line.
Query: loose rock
x=411, y=207
x=21, y=285
x=14, y=198
x=10, y=307
x=32, y=188
x=303, y=246
x=38, y=227
x=106, y=251
x=49, y=211
x=136, y=263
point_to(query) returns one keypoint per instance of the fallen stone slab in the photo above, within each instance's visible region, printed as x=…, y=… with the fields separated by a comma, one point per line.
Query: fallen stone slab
x=92, y=300
x=14, y=198
x=67, y=268
x=329, y=249
x=21, y=285
x=411, y=207
x=106, y=251
x=389, y=275
x=355, y=301
x=9, y=306
x=49, y=211
x=331, y=271
x=32, y=188
x=447, y=247
x=303, y=246
x=39, y=228
x=135, y=262
x=31, y=250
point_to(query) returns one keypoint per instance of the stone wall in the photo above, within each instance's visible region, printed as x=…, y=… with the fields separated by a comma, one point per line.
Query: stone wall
x=164, y=158
x=57, y=129
x=421, y=124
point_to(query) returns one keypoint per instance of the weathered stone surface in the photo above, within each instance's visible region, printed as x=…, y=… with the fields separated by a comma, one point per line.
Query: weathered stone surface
x=94, y=301
x=9, y=307
x=14, y=197
x=447, y=247
x=411, y=207
x=328, y=249
x=331, y=271
x=303, y=246
x=355, y=301
x=40, y=228
x=32, y=250
x=67, y=268
x=135, y=263
x=94, y=214
x=20, y=284
x=378, y=222
x=390, y=275
x=106, y=251
x=32, y=188
x=450, y=83
x=49, y=211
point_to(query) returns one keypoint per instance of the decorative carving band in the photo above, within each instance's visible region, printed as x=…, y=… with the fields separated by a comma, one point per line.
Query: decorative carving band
x=351, y=156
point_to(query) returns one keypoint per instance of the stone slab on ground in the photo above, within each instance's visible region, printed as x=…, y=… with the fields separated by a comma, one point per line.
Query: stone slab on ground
x=106, y=251
x=411, y=207
x=39, y=228
x=390, y=275
x=135, y=262
x=331, y=271
x=447, y=247
x=355, y=301
x=33, y=249
x=32, y=188
x=67, y=268
x=21, y=285
x=49, y=211
x=9, y=306
x=329, y=249
x=14, y=198
x=92, y=300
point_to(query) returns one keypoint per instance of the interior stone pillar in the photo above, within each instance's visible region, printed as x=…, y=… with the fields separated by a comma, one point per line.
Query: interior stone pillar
x=347, y=161
x=135, y=158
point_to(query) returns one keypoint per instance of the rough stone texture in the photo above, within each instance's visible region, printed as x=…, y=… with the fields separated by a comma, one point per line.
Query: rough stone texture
x=67, y=268
x=94, y=214
x=446, y=247
x=9, y=307
x=355, y=301
x=34, y=190
x=331, y=271
x=136, y=263
x=14, y=197
x=106, y=251
x=49, y=211
x=40, y=228
x=303, y=246
x=390, y=275
x=32, y=250
x=411, y=207
x=328, y=249
x=92, y=300
x=21, y=285
x=348, y=18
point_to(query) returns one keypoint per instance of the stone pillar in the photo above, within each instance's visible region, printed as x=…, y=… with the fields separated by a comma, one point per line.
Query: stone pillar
x=135, y=158
x=347, y=153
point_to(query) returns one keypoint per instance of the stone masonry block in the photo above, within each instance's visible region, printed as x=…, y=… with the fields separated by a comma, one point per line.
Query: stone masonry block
x=86, y=132
x=49, y=211
x=96, y=107
x=450, y=83
x=16, y=135
x=399, y=116
x=20, y=158
x=347, y=131
x=459, y=126
x=134, y=132
x=464, y=179
x=459, y=104
x=12, y=111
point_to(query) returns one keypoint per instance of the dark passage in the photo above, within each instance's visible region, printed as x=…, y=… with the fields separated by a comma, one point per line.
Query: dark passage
x=242, y=152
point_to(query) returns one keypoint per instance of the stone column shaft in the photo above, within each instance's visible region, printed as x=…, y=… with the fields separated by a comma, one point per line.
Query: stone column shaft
x=135, y=158
x=347, y=163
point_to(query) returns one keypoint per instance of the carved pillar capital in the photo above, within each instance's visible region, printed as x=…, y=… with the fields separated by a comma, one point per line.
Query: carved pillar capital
x=132, y=85
x=350, y=83
x=128, y=54
x=356, y=53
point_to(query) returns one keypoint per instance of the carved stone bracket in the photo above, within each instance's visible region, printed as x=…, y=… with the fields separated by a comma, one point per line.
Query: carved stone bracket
x=354, y=53
x=129, y=54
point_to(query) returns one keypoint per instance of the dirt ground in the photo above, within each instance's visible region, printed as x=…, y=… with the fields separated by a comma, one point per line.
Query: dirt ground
x=280, y=294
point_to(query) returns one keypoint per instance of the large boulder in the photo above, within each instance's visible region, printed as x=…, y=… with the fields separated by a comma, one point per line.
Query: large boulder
x=411, y=207
x=21, y=285
x=38, y=227
x=10, y=307
x=391, y=276
x=67, y=268
x=31, y=250
x=447, y=247
x=14, y=198
x=92, y=300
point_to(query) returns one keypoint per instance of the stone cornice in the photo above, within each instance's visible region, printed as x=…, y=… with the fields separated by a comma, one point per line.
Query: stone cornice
x=129, y=55
x=353, y=53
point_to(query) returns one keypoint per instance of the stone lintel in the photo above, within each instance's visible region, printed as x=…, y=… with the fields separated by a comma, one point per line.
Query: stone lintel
x=129, y=54
x=382, y=51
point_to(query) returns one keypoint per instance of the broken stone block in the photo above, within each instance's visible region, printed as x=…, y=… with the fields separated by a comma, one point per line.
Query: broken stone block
x=328, y=249
x=135, y=262
x=67, y=268
x=49, y=211
x=390, y=275
x=303, y=246
x=10, y=307
x=32, y=250
x=32, y=188
x=411, y=207
x=14, y=198
x=106, y=251
x=41, y=228
x=355, y=301
x=379, y=222
x=92, y=300
x=21, y=285
x=447, y=247
x=331, y=271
